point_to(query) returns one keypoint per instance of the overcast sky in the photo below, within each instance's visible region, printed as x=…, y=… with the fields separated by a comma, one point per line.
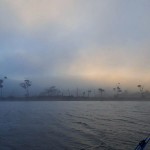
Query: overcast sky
x=100, y=42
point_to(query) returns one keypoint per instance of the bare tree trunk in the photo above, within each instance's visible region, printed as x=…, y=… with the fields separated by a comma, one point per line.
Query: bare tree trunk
x=1, y=92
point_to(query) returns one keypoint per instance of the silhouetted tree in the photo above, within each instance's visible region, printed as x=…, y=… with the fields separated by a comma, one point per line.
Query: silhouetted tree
x=114, y=89
x=52, y=91
x=1, y=85
x=101, y=91
x=117, y=90
x=141, y=90
x=26, y=84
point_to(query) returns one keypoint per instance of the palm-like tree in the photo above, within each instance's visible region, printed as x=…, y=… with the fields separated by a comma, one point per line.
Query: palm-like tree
x=141, y=89
x=117, y=90
x=26, y=84
x=1, y=85
x=101, y=91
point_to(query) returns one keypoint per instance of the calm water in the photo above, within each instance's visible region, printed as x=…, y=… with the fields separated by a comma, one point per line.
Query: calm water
x=74, y=125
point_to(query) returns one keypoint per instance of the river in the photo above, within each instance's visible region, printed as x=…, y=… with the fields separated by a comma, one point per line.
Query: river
x=73, y=125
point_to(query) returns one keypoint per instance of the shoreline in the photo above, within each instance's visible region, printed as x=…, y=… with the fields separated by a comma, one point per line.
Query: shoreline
x=67, y=98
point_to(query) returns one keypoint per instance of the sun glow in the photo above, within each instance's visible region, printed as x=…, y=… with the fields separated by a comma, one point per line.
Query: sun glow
x=97, y=68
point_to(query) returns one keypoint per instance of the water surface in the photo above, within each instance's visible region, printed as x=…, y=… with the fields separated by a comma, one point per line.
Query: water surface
x=64, y=125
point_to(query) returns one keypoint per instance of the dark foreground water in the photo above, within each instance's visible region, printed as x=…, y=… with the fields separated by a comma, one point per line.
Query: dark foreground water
x=64, y=125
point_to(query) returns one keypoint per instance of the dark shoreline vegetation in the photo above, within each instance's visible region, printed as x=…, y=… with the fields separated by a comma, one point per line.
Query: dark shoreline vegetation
x=72, y=98
x=52, y=93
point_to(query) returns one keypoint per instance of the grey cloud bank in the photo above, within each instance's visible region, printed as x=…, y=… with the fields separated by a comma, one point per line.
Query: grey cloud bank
x=94, y=41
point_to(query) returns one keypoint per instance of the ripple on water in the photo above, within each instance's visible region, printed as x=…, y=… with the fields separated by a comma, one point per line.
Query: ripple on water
x=73, y=125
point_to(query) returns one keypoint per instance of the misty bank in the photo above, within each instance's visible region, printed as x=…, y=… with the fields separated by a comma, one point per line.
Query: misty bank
x=69, y=98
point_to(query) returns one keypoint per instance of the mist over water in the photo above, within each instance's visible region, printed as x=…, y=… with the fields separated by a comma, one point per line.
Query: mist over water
x=100, y=125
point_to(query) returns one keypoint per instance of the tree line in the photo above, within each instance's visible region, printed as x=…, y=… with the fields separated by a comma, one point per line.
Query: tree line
x=53, y=91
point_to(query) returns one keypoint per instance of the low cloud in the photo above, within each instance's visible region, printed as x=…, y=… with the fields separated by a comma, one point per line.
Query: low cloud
x=97, y=41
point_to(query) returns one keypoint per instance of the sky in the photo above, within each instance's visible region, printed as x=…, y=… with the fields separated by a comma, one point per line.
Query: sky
x=75, y=43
